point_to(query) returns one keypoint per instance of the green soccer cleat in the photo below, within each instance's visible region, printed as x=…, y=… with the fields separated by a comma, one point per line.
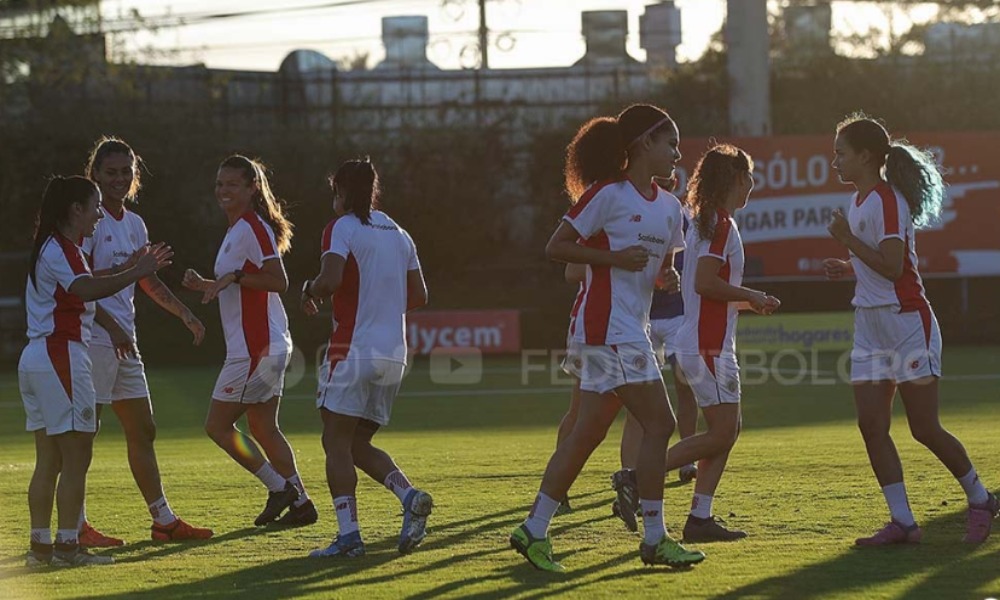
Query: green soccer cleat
x=669, y=552
x=537, y=551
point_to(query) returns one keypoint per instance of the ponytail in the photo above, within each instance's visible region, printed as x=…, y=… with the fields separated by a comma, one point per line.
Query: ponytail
x=359, y=184
x=912, y=171
x=915, y=173
x=600, y=148
x=268, y=206
x=60, y=194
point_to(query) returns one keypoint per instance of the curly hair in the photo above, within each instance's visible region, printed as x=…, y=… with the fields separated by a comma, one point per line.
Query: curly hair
x=714, y=176
x=599, y=150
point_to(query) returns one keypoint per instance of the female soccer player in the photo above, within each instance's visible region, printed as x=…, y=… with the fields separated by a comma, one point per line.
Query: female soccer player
x=121, y=380
x=712, y=286
x=370, y=267
x=897, y=342
x=249, y=276
x=636, y=226
x=54, y=371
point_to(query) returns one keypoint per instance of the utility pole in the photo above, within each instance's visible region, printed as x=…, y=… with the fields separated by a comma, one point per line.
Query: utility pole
x=484, y=37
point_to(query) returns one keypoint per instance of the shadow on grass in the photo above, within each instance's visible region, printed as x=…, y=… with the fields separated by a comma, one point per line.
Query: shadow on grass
x=939, y=569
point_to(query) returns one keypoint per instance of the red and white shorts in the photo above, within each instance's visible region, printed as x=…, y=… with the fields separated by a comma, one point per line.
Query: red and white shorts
x=360, y=387
x=714, y=380
x=607, y=368
x=237, y=383
x=117, y=378
x=895, y=346
x=56, y=387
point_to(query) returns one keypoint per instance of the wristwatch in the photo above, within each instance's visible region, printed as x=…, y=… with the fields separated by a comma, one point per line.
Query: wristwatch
x=237, y=275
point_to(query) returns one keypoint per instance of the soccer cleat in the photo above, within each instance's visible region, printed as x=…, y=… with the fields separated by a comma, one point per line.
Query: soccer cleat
x=564, y=507
x=276, y=503
x=625, y=485
x=40, y=555
x=710, y=530
x=78, y=557
x=179, y=531
x=343, y=546
x=669, y=552
x=687, y=473
x=892, y=533
x=979, y=520
x=299, y=516
x=537, y=551
x=417, y=507
x=92, y=538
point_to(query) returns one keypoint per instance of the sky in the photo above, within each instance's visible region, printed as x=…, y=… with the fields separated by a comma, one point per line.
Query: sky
x=527, y=33
x=544, y=32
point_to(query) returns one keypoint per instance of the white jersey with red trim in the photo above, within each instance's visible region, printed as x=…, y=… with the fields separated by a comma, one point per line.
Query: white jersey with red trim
x=254, y=321
x=113, y=242
x=369, y=308
x=614, y=215
x=883, y=214
x=53, y=312
x=709, y=326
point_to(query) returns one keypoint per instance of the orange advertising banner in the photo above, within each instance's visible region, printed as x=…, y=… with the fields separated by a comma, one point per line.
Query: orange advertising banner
x=795, y=191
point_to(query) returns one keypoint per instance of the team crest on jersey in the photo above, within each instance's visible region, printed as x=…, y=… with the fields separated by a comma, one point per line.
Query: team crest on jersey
x=640, y=362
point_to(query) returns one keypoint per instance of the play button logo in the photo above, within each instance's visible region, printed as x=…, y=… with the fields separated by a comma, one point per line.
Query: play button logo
x=449, y=366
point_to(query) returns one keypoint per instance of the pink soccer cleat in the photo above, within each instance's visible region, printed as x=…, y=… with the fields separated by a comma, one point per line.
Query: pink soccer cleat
x=979, y=520
x=892, y=533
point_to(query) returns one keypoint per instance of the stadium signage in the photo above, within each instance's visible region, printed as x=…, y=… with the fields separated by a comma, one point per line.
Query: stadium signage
x=803, y=332
x=488, y=331
x=795, y=193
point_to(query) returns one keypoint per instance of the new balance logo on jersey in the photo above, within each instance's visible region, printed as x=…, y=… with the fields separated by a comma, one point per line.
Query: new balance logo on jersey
x=636, y=219
x=914, y=364
x=107, y=239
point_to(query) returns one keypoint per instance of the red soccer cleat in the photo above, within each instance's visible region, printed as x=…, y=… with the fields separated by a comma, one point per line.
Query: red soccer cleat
x=92, y=538
x=179, y=531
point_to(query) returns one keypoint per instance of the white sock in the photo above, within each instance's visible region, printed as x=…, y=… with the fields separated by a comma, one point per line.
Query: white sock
x=296, y=481
x=269, y=477
x=652, y=521
x=347, y=514
x=41, y=536
x=701, y=506
x=975, y=491
x=899, y=505
x=83, y=516
x=541, y=514
x=66, y=536
x=397, y=483
x=161, y=512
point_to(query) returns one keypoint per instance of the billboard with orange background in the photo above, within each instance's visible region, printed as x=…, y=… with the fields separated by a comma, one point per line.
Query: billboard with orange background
x=784, y=224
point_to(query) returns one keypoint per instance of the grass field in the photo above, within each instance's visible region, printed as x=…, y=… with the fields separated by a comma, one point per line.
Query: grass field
x=798, y=482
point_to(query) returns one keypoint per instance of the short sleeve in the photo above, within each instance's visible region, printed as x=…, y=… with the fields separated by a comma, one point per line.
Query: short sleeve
x=141, y=233
x=413, y=261
x=88, y=249
x=589, y=215
x=257, y=240
x=677, y=233
x=719, y=245
x=339, y=239
x=65, y=262
x=893, y=215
